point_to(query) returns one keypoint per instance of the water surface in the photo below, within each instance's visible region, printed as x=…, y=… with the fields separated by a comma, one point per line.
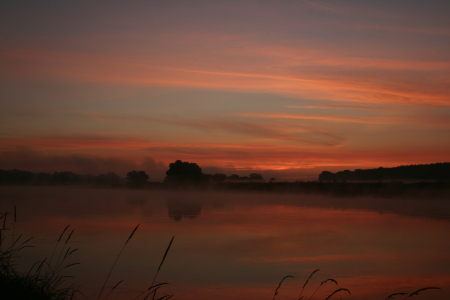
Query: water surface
x=239, y=245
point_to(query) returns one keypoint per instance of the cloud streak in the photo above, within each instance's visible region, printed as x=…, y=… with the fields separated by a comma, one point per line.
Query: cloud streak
x=271, y=85
x=362, y=86
x=255, y=131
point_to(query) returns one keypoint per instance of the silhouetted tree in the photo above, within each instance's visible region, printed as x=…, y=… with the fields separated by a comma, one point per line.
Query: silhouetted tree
x=108, y=178
x=233, y=177
x=65, y=178
x=207, y=177
x=15, y=177
x=183, y=172
x=219, y=177
x=255, y=176
x=137, y=179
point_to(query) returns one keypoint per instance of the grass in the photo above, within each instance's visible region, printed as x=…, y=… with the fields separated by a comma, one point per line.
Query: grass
x=300, y=297
x=44, y=280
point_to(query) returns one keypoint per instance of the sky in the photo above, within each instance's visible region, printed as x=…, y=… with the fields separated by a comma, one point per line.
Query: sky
x=284, y=88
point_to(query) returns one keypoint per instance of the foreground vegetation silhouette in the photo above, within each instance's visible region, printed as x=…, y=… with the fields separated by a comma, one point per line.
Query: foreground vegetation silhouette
x=44, y=280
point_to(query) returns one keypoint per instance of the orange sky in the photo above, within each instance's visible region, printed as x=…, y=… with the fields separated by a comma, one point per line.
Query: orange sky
x=292, y=87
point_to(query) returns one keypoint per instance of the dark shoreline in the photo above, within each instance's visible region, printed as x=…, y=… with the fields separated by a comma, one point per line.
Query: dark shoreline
x=385, y=189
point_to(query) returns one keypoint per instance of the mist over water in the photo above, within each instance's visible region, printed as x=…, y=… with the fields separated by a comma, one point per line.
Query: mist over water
x=239, y=245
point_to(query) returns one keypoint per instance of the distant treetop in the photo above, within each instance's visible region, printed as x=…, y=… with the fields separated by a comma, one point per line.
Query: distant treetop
x=255, y=176
x=233, y=177
x=137, y=179
x=180, y=171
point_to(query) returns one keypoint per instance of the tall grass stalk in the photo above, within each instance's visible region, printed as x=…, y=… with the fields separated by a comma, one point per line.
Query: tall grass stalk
x=306, y=282
x=421, y=290
x=57, y=243
x=113, y=288
x=57, y=266
x=279, y=285
x=159, y=268
x=393, y=295
x=153, y=287
x=14, y=225
x=322, y=283
x=117, y=258
x=4, y=216
x=337, y=291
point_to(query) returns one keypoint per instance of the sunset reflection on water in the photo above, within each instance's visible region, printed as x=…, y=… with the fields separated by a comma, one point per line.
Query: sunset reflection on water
x=239, y=246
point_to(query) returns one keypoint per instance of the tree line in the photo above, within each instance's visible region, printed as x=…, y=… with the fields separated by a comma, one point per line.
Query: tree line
x=18, y=177
x=438, y=171
x=179, y=172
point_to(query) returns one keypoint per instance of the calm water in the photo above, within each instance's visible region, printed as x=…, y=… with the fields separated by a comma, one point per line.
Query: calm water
x=239, y=245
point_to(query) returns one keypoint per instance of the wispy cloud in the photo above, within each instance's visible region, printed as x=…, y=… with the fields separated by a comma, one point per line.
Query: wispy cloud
x=356, y=86
x=310, y=117
x=252, y=130
x=380, y=120
x=340, y=106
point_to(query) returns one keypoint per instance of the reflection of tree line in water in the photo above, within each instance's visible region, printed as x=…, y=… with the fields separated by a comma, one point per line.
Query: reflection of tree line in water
x=179, y=209
x=189, y=206
x=45, y=281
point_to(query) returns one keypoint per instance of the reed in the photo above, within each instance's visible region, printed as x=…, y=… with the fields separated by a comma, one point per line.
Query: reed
x=153, y=288
x=393, y=295
x=421, y=290
x=58, y=263
x=114, y=264
x=337, y=291
x=279, y=285
x=59, y=239
x=43, y=283
x=14, y=224
x=43, y=280
x=113, y=288
x=322, y=283
x=306, y=282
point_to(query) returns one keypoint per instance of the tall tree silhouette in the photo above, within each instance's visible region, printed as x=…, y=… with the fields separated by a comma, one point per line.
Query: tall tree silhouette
x=137, y=179
x=180, y=171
